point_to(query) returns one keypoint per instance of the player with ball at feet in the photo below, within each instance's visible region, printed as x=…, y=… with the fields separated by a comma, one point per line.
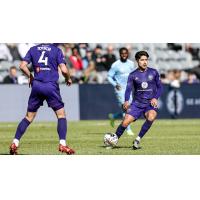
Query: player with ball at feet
x=147, y=89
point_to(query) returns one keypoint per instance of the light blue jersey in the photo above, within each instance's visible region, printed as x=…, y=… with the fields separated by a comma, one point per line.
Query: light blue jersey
x=118, y=75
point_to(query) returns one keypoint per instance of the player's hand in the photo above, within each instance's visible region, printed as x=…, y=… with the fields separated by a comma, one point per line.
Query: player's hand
x=30, y=80
x=154, y=102
x=126, y=105
x=69, y=81
x=118, y=87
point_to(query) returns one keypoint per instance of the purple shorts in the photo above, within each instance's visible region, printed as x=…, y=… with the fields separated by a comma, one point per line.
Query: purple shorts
x=49, y=91
x=136, y=111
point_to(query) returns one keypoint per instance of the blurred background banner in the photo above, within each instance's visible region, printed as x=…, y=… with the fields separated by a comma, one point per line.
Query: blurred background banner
x=95, y=101
x=14, y=102
x=91, y=96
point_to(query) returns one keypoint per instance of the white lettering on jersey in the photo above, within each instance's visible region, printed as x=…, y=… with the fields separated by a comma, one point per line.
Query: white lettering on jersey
x=43, y=59
x=44, y=48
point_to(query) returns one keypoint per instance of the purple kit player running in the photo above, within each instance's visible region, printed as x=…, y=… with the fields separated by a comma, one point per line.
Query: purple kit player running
x=147, y=89
x=45, y=58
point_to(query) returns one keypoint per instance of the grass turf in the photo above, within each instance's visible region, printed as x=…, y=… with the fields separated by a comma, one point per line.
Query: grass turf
x=166, y=137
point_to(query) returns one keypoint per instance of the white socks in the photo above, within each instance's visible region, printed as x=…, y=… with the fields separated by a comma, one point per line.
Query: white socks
x=63, y=142
x=138, y=138
x=16, y=142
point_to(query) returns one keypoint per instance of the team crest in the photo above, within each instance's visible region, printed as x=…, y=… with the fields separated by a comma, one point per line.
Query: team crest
x=150, y=77
x=144, y=85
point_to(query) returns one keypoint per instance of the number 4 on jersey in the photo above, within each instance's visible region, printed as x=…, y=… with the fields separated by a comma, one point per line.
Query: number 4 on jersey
x=43, y=59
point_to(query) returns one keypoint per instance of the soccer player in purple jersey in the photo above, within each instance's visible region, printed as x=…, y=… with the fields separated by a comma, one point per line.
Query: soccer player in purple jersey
x=45, y=59
x=147, y=89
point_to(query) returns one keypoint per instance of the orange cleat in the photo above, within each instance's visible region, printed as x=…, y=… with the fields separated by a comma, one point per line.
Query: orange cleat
x=66, y=149
x=13, y=149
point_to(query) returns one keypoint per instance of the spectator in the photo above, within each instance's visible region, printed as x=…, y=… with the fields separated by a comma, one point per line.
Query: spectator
x=77, y=65
x=97, y=56
x=175, y=83
x=191, y=78
x=76, y=60
x=12, y=77
x=174, y=46
x=83, y=49
x=87, y=59
x=109, y=58
x=5, y=54
x=193, y=51
x=23, y=48
x=164, y=78
x=14, y=51
x=66, y=49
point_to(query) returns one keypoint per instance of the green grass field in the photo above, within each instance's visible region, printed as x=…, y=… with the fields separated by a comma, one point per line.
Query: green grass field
x=166, y=137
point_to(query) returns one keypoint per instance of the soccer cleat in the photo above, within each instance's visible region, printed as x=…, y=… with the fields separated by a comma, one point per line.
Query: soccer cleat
x=13, y=149
x=136, y=144
x=66, y=149
x=112, y=120
x=130, y=132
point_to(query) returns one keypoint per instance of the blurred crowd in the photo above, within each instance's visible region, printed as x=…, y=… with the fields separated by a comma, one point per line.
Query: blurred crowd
x=90, y=62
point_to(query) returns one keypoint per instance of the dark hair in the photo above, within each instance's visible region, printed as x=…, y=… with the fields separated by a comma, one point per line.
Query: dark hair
x=123, y=49
x=13, y=67
x=139, y=54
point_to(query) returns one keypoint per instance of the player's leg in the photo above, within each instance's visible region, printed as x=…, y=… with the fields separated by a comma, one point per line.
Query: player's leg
x=23, y=125
x=117, y=115
x=133, y=113
x=62, y=131
x=34, y=102
x=61, y=125
x=123, y=126
x=150, y=116
x=54, y=101
x=113, y=116
x=129, y=130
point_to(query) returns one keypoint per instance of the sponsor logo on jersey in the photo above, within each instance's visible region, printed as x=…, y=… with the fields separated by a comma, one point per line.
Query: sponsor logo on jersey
x=45, y=69
x=38, y=69
x=144, y=85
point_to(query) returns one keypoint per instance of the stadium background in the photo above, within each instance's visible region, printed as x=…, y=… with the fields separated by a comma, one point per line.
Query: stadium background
x=91, y=96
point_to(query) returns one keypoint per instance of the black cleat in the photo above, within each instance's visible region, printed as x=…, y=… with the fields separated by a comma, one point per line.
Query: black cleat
x=136, y=145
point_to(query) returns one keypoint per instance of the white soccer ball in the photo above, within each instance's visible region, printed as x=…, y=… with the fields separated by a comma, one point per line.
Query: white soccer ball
x=110, y=140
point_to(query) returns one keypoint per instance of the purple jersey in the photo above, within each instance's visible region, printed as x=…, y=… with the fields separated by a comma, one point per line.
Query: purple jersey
x=146, y=85
x=45, y=59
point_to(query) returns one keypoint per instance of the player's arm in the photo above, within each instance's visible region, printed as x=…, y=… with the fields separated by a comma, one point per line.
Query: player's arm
x=63, y=67
x=128, y=91
x=154, y=101
x=65, y=72
x=111, y=75
x=24, y=68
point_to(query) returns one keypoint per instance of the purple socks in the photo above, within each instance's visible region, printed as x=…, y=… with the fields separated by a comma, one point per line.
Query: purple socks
x=147, y=124
x=21, y=128
x=120, y=130
x=62, y=128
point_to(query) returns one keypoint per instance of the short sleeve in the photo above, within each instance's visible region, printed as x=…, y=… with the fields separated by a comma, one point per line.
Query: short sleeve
x=28, y=57
x=60, y=58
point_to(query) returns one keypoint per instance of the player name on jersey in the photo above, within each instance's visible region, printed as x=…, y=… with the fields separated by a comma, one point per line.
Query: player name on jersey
x=44, y=48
